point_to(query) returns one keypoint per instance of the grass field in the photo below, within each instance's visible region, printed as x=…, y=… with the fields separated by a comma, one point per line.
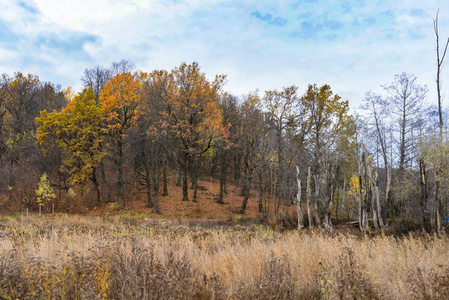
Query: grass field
x=66, y=257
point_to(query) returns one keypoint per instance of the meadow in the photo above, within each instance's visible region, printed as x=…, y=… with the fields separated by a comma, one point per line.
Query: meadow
x=75, y=257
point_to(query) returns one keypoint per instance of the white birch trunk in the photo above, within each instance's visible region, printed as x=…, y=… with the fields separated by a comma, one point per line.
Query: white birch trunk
x=298, y=202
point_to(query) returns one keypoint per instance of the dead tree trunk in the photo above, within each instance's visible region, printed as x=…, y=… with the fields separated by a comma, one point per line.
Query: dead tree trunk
x=297, y=202
x=440, y=60
x=379, y=208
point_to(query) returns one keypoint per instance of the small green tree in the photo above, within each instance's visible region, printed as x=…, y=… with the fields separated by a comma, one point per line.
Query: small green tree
x=44, y=191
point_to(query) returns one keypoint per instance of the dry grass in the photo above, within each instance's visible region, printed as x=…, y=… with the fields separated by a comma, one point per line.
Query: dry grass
x=75, y=257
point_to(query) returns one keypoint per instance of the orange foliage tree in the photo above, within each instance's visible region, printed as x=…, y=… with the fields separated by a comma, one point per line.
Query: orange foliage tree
x=194, y=116
x=119, y=99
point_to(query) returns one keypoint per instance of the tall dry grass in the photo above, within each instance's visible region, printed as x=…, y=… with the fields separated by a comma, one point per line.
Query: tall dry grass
x=91, y=258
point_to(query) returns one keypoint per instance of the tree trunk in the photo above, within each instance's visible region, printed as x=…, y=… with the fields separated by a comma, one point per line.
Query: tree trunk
x=308, y=195
x=374, y=197
x=423, y=193
x=156, y=192
x=223, y=171
x=185, y=188
x=237, y=163
x=373, y=207
x=246, y=192
x=360, y=194
x=120, y=182
x=164, y=178
x=149, y=197
x=195, y=179
x=102, y=174
x=337, y=204
x=195, y=191
x=96, y=185
x=343, y=197
x=332, y=183
x=440, y=60
x=379, y=208
x=261, y=191
x=298, y=202
x=438, y=204
x=245, y=198
x=179, y=181
x=387, y=207
x=220, y=196
x=317, y=198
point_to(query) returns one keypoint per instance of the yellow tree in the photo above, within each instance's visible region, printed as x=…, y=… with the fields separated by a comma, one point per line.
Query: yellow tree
x=194, y=116
x=119, y=99
x=330, y=133
x=79, y=130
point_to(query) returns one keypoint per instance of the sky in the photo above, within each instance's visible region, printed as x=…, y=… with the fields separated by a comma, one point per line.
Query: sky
x=354, y=46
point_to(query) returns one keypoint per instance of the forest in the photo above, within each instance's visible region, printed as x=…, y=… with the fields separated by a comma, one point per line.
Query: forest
x=129, y=132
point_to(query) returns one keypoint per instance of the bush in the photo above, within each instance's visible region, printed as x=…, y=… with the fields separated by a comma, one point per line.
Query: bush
x=403, y=226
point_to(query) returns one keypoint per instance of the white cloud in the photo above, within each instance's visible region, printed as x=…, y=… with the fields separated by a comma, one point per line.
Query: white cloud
x=224, y=38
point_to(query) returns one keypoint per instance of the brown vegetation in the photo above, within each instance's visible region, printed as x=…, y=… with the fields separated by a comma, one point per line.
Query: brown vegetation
x=72, y=256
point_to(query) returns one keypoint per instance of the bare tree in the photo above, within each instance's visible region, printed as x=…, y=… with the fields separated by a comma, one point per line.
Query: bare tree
x=407, y=97
x=440, y=60
x=96, y=78
x=379, y=112
x=250, y=138
x=279, y=106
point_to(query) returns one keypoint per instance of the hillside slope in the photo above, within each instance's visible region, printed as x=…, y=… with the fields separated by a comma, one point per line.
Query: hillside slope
x=171, y=206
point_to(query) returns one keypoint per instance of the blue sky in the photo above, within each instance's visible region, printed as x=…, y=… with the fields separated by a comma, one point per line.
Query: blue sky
x=355, y=45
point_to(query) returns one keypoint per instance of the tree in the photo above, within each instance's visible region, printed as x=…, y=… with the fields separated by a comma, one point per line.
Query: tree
x=22, y=97
x=44, y=191
x=250, y=137
x=377, y=121
x=195, y=119
x=119, y=99
x=407, y=97
x=227, y=148
x=329, y=131
x=22, y=101
x=150, y=141
x=96, y=78
x=79, y=130
x=440, y=60
x=279, y=106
